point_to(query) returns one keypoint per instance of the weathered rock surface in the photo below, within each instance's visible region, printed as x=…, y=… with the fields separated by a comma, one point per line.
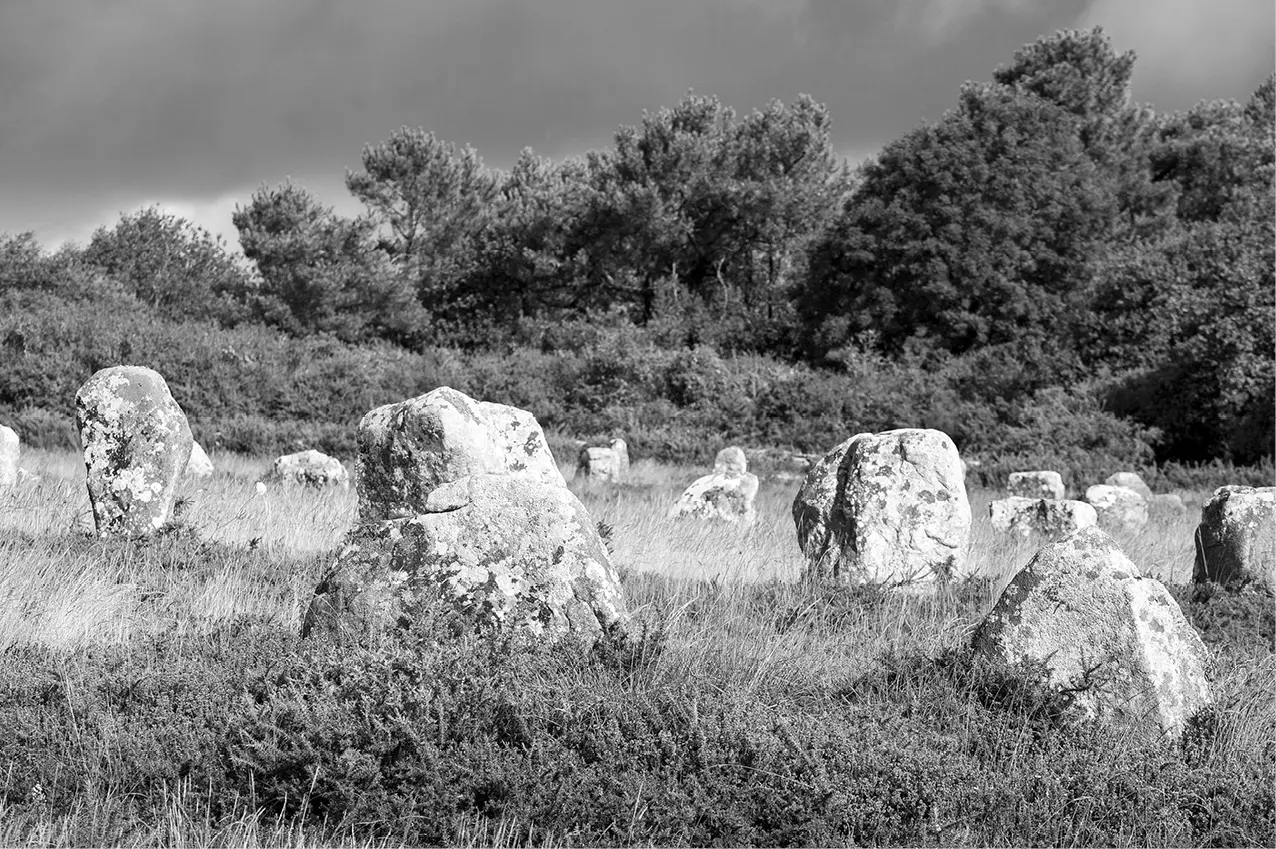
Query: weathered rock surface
x=1040, y=484
x=136, y=444
x=1130, y=480
x=721, y=496
x=1044, y=517
x=408, y=449
x=731, y=461
x=886, y=508
x=604, y=464
x=199, y=466
x=309, y=468
x=512, y=550
x=1119, y=508
x=1116, y=639
x=9, y=450
x=1236, y=538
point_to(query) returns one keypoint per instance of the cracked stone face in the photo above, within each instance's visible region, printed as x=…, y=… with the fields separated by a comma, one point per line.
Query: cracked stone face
x=504, y=549
x=1113, y=638
x=409, y=448
x=886, y=508
x=137, y=443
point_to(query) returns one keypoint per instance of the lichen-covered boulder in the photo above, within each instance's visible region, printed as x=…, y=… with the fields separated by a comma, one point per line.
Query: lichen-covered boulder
x=887, y=508
x=309, y=468
x=598, y=464
x=502, y=549
x=1113, y=638
x=719, y=497
x=136, y=444
x=1130, y=480
x=9, y=450
x=1043, y=517
x=1119, y=508
x=1236, y=539
x=199, y=466
x=1040, y=484
x=731, y=461
x=409, y=448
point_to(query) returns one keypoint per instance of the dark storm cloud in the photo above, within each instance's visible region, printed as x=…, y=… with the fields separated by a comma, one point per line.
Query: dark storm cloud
x=105, y=105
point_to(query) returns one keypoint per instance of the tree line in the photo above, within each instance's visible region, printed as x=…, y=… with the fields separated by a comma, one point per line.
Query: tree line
x=1045, y=233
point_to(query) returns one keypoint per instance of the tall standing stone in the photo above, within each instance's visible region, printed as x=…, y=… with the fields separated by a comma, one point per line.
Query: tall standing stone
x=1236, y=539
x=886, y=508
x=136, y=445
x=1113, y=638
x=408, y=449
x=9, y=449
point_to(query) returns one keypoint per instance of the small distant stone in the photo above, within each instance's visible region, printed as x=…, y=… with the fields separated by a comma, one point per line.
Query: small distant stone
x=136, y=445
x=606, y=465
x=199, y=466
x=9, y=449
x=731, y=461
x=719, y=497
x=1040, y=517
x=309, y=468
x=1115, y=639
x=1130, y=480
x=1119, y=507
x=1041, y=484
x=1236, y=538
x=261, y=488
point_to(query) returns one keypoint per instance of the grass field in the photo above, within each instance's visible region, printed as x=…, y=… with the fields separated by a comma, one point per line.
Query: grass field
x=158, y=695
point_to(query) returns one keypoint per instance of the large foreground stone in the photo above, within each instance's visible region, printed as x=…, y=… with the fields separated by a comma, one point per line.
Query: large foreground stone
x=136, y=445
x=409, y=448
x=885, y=508
x=9, y=449
x=1043, y=517
x=1118, y=508
x=1040, y=484
x=309, y=468
x=720, y=496
x=1236, y=539
x=503, y=549
x=1113, y=638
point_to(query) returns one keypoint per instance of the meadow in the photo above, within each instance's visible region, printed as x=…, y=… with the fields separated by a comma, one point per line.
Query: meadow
x=157, y=694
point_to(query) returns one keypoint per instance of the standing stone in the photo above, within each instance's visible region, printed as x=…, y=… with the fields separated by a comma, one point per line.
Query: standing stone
x=510, y=550
x=199, y=466
x=309, y=468
x=721, y=496
x=598, y=464
x=886, y=508
x=136, y=444
x=9, y=449
x=1043, y=517
x=409, y=448
x=1236, y=539
x=1130, y=480
x=1037, y=485
x=1119, y=508
x=621, y=449
x=1113, y=638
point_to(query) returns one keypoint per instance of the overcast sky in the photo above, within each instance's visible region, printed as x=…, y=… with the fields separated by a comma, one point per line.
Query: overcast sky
x=110, y=105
